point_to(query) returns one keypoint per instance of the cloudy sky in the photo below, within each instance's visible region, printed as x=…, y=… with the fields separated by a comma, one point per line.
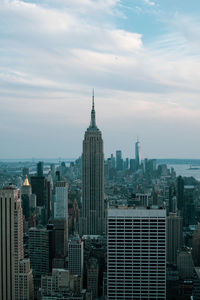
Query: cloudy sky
x=142, y=57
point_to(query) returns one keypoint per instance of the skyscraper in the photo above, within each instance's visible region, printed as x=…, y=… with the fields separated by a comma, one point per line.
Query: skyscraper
x=92, y=179
x=137, y=154
x=16, y=279
x=60, y=229
x=60, y=220
x=180, y=194
x=40, y=167
x=136, y=254
x=196, y=246
x=25, y=196
x=61, y=203
x=119, y=160
x=38, y=184
x=38, y=246
x=174, y=237
x=41, y=187
x=93, y=276
x=75, y=256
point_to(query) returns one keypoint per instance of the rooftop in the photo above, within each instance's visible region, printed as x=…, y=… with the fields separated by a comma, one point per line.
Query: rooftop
x=137, y=212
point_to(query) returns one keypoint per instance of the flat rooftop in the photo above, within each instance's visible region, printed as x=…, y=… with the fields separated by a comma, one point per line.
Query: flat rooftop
x=137, y=212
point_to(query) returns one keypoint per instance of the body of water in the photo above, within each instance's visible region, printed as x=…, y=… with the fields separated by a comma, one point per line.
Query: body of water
x=185, y=171
x=183, y=167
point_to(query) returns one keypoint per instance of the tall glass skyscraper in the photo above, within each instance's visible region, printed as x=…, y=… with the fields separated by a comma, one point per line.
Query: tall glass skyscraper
x=137, y=154
x=92, y=179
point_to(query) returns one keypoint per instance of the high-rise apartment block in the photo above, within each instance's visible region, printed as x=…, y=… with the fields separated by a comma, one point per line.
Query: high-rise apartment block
x=92, y=180
x=136, y=254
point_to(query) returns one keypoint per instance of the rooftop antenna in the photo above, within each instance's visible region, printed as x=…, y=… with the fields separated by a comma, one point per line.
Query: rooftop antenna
x=93, y=98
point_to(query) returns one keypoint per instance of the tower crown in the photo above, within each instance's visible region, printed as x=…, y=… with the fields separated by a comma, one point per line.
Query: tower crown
x=93, y=125
x=26, y=182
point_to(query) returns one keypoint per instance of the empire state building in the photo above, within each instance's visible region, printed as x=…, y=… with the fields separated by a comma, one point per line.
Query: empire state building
x=92, y=180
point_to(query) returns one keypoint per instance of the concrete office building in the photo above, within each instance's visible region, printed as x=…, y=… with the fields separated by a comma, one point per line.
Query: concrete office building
x=61, y=200
x=185, y=264
x=60, y=229
x=59, y=279
x=136, y=254
x=75, y=256
x=38, y=246
x=24, y=277
x=93, y=276
x=13, y=266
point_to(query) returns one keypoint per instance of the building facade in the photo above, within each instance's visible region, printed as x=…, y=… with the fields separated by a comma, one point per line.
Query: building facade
x=136, y=254
x=61, y=200
x=196, y=246
x=93, y=276
x=13, y=266
x=119, y=160
x=92, y=180
x=59, y=279
x=75, y=256
x=38, y=248
x=138, y=154
x=174, y=237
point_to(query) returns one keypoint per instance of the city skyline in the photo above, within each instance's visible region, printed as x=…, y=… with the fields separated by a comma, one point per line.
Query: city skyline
x=145, y=75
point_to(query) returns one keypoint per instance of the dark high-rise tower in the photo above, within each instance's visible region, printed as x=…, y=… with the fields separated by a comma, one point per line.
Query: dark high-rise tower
x=92, y=179
x=40, y=166
x=119, y=160
x=180, y=194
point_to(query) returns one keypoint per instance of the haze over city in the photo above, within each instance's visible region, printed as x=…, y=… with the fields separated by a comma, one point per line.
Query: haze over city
x=141, y=57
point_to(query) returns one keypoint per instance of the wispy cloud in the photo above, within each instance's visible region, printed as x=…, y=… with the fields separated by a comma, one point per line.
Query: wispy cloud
x=149, y=2
x=54, y=52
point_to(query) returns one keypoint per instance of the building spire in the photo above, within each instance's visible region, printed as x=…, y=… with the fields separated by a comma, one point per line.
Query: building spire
x=93, y=120
x=93, y=98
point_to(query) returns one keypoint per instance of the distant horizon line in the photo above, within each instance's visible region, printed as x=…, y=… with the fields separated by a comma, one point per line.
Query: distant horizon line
x=32, y=159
